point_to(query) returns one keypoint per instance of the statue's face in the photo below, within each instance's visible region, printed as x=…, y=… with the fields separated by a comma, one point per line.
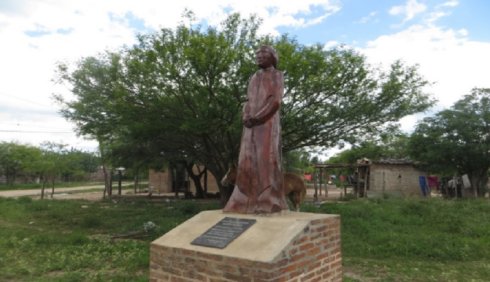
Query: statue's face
x=264, y=58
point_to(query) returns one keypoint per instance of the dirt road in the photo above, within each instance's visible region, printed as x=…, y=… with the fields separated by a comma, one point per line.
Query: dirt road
x=95, y=192
x=47, y=191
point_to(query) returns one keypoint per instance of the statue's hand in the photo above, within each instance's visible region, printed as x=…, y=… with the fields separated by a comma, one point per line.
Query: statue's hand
x=251, y=122
x=248, y=123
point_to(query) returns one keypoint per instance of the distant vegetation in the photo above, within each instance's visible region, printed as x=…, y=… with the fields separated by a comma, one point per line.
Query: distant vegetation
x=30, y=166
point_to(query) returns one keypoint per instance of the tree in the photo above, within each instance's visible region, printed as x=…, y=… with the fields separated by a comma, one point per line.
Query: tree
x=96, y=84
x=17, y=159
x=49, y=166
x=297, y=161
x=180, y=92
x=390, y=144
x=457, y=140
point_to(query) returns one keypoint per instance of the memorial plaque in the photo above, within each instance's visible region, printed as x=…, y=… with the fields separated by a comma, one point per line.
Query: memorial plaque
x=223, y=232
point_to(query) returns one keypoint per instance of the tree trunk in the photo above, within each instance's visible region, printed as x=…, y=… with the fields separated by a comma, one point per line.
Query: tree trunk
x=196, y=178
x=479, y=180
x=219, y=171
x=136, y=180
x=225, y=193
x=42, y=189
x=52, y=187
x=205, y=181
x=107, y=182
x=11, y=175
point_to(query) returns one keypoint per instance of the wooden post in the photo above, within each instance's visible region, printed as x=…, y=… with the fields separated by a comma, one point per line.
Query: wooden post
x=358, y=183
x=315, y=173
x=326, y=182
x=364, y=192
x=320, y=181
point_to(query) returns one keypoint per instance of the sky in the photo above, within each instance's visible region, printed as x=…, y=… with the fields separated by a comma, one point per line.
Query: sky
x=448, y=39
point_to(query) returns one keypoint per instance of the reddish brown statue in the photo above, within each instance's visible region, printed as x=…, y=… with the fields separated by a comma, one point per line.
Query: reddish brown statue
x=258, y=187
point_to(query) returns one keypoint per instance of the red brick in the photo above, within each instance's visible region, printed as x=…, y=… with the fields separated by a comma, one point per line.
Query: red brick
x=308, y=276
x=298, y=257
x=301, y=240
x=314, y=265
x=312, y=252
x=293, y=251
x=315, y=236
x=320, y=229
x=238, y=278
x=218, y=280
x=294, y=275
x=187, y=252
x=306, y=246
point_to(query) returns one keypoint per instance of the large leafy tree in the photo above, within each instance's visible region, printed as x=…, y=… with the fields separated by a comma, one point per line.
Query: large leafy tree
x=179, y=93
x=97, y=84
x=457, y=140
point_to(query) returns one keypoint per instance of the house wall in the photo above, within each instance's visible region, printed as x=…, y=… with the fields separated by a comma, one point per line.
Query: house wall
x=396, y=179
x=161, y=181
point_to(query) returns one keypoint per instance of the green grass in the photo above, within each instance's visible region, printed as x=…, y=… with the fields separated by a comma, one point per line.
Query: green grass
x=382, y=240
x=54, y=240
x=414, y=239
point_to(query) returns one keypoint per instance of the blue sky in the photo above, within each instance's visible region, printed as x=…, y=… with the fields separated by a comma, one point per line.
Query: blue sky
x=360, y=21
x=448, y=39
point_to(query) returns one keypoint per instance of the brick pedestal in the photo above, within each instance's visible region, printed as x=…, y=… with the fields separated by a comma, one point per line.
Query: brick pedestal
x=289, y=246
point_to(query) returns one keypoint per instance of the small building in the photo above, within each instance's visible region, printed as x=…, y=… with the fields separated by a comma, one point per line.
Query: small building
x=176, y=179
x=395, y=177
x=384, y=177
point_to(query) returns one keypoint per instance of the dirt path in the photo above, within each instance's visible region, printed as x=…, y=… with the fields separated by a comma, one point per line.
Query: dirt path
x=95, y=192
x=91, y=192
x=37, y=192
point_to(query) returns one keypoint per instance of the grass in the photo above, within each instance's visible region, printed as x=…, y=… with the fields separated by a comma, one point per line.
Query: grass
x=382, y=240
x=54, y=240
x=414, y=239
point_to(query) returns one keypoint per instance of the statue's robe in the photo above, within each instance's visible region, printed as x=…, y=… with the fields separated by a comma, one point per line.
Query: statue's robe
x=258, y=187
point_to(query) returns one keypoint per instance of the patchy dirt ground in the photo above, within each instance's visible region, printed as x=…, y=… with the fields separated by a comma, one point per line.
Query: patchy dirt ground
x=92, y=193
x=95, y=193
x=37, y=192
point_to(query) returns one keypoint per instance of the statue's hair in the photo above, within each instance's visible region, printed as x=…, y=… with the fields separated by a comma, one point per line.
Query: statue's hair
x=273, y=52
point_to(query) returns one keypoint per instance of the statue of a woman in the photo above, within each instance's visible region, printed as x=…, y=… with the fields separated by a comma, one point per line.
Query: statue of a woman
x=258, y=187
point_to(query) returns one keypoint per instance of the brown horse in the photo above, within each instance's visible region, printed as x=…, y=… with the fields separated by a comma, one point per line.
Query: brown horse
x=294, y=186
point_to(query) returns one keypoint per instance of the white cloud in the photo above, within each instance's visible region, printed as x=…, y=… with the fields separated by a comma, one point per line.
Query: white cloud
x=451, y=3
x=446, y=57
x=37, y=34
x=441, y=10
x=409, y=10
x=331, y=44
x=368, y=18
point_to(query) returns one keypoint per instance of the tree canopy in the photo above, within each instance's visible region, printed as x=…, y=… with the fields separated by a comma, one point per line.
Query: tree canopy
x=457, y=140
x=178, y=93
x=390, y=144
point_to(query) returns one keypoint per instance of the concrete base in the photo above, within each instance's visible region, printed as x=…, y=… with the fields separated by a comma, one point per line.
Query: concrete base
x=287, y=246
